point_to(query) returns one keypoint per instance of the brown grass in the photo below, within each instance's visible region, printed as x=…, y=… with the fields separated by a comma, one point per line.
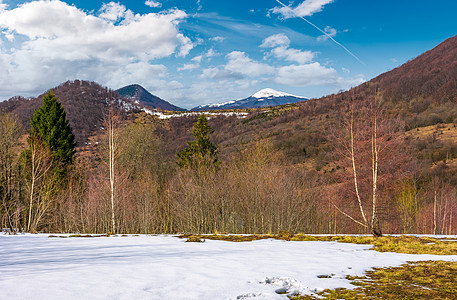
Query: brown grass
x=418, y=280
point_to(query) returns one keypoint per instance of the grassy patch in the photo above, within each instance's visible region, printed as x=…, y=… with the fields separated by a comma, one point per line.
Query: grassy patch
x=84, y=235
x=194, y=239
x=399, y=244
x=418, y=280
x=232, y=238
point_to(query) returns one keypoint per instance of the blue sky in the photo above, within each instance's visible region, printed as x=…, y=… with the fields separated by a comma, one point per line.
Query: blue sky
x=193, y=52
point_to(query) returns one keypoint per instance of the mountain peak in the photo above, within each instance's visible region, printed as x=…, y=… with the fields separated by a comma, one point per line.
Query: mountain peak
x=267, y=93
x=263, y=98
x=140, y=95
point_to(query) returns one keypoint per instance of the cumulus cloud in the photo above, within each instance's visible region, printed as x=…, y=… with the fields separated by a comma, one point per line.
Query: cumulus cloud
x=113, y=11
x=305, y=9
x=239, y=62
x=188, y=67
x=211, y=53
x=280, y=43
x=192, y=66
x=306, y=75
x=276, y=40
x=314, y=74
x=60, y=42
x=154, y=4
x=294, y=55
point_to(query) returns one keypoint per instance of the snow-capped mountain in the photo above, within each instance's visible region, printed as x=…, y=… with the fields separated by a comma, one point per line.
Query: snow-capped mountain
x=263, y=98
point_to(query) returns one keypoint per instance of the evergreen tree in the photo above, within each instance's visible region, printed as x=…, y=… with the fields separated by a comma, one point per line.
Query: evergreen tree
x=201, y=150
x=49, y=124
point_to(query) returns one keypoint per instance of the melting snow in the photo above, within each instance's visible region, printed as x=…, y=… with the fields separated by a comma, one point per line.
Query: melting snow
x=165, y=267
x=194, y=113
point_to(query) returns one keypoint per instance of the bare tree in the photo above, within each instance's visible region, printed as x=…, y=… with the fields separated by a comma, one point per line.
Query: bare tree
x=10, y=131
x=112, y=125
x=368, y=141
x=39, y=163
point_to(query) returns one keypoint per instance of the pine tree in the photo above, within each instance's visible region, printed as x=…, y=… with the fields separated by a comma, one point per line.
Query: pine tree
x=49, y=123
x=201, y=150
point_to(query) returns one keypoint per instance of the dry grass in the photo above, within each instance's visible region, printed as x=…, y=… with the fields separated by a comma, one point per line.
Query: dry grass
x=418, y=280
x=398, y=244
x=442, y=132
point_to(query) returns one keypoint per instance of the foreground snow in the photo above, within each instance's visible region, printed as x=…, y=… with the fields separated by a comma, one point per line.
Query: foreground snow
x=164, y=267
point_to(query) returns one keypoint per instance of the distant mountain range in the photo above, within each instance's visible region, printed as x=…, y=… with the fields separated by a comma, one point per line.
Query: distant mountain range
x=139, y=95
x=263, y=98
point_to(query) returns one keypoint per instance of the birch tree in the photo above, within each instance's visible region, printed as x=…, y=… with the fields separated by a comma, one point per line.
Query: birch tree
x=10, y=131
x=112, y=126
x=39, y=162
x=367, y=141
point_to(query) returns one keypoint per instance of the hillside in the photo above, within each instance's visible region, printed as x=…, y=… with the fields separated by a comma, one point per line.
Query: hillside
x=422, y=92
x=431, y=75
x=140, y=95
x=84, y=102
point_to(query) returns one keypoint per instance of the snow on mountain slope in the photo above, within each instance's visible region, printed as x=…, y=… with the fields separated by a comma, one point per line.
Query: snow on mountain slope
x=268, y=93
x=263, y=98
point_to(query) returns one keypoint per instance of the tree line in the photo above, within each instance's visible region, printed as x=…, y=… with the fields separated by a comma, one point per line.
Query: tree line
x=128, y=186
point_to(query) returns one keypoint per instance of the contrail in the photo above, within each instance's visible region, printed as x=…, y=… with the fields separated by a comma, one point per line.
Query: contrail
x=325, y=33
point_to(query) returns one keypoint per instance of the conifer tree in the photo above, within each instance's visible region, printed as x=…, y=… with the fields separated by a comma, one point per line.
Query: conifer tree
x=201, y=150
x=49, y=123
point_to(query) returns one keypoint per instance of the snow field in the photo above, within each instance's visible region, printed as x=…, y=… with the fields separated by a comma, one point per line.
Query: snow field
x=165, y=267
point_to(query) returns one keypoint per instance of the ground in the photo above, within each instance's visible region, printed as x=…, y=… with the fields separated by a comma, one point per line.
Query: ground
x=166, y=267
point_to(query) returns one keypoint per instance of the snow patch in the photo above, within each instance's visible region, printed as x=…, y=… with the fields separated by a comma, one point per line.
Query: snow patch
x=163, y=116
x=165, y=267
x=269, y=93
x=288, y=285
x=216, y=104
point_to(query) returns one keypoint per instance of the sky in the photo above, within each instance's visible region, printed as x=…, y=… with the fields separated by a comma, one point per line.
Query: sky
x=194, y=52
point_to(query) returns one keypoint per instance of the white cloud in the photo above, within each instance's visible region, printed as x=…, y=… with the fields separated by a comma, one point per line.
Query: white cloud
x=276, y=40
x=211, y=53
x=240, y=63
x=209, y=73
x=219, y=74
x=280, y=43
x=306, y=75
x=112, y=11
x=152, y=3
x=315, y=74
x=135, y=73
x=294, y=55
x=217, y=39
x=192, y=66
x=305, y=9
x=329, y=32
x=188, y=67
x=75, y=44
x=197, y=59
